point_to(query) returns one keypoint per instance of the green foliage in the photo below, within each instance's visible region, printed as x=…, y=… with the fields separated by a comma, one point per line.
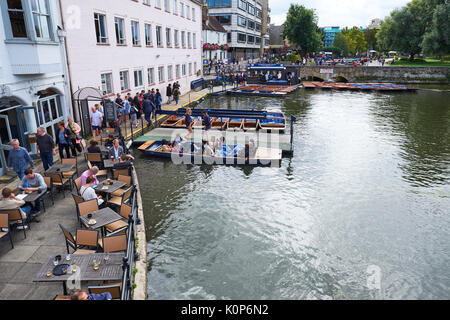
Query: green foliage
x=356, y=41
x=333, y=49
x=134, y=271
x=370, y=35
x=133, y=286
x=292, y=57
x=301, y=29
x=437, y=39
x=340, y=41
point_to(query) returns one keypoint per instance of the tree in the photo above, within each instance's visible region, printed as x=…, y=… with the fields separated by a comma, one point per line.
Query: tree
x=301, y=28
x=356, y=41
x=340, y=42
x=437, y=39
x=370, y=35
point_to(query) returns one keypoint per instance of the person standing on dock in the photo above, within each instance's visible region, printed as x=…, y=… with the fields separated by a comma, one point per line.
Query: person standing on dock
x=169, y=93
x=188, y=121
x=158, y=101
x=207, y=123
x=148, y=107
x=176, y=95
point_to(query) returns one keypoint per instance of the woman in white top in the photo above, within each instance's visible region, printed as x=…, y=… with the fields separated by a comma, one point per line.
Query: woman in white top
x=88, y=193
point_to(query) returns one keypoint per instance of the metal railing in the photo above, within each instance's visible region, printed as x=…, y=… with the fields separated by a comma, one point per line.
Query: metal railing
x=131, y=255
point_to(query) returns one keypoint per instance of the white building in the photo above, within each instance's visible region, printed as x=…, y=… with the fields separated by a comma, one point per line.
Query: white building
x=132, y=45
x=214, y=34
x=33, y=87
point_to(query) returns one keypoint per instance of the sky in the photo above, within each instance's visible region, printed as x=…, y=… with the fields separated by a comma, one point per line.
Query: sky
x=340, y=13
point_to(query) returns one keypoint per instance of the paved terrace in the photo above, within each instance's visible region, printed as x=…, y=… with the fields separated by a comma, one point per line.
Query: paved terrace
x=18, y=266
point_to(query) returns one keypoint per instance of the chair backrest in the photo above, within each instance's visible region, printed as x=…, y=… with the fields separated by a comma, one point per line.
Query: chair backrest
x=115, y=243
x=114, y=290
x=87, y=237
x=56, y=177
x=126, y=195
x=87, y=207
x=69, y=161
x=69, y=237
x=14, y=214
x=125, y=210
x=48, y=182
x=4, y=219
x=111, y=130
x=94, y=157
x=78, y=183
x=126, y=179
x=77, y=198
x=123, y=172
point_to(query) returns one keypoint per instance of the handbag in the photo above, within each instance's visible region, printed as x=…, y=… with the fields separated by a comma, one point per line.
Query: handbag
x=77, y=136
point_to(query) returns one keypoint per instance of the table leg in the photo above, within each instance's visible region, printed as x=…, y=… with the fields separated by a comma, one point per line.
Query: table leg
x=64, y=288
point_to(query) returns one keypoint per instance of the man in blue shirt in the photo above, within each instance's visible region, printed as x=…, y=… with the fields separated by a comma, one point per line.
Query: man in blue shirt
x=148, y=107
x=81, y=295
x=18, y=159
x=207, y=123
x=33, y=182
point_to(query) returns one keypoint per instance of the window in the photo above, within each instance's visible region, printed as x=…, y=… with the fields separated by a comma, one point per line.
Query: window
x=258, y=13
x=41, y=18
x=182, y=9
x=168, y=37
x=241, y=21
x=169, y=73
x=107, y=87
x=135, y=33
x=194, y=40
x=183, y=70
x=177, y=71
x=242, y=37
x=175, y=38
x=147, y=2
x=193, y=14
x=250, y=24
x=183, y=41
x=120, y=32
x=138, y=81
x=151, y=75
x=189, y=39
x=158, y=4
x=158, y=36
x=258, y=40
x=148, y=35
x=251, y=9
x=124, y=83
x=188, y=9
x=242, y=5
x=50, y=112
x=17, y=19
x=190, y=69
x=219, y=3
x=228, y=36
x=100, y=28
x=166, y=5
x=195, y=66
x=258, y=26
x=226, y=19
x=175, y=7
x=161, y=74
x=250, y=39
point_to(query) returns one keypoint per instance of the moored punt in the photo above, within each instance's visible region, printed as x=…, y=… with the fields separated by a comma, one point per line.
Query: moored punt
x=235, y=124
x=262, y=156
x=264, y=90
x=359, y=86
x=171, y=121
x=220, y=123
x=182, y=123
x=250, y=124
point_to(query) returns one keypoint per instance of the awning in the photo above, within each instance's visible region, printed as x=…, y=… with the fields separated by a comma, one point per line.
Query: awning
x=267, y=67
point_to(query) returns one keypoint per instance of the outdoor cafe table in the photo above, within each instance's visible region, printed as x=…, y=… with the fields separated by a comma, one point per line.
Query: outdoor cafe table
x=110, y=270
x=102, y=217
x=35, y=195
x=109, y=164
x=115, y=185
x=60, y=168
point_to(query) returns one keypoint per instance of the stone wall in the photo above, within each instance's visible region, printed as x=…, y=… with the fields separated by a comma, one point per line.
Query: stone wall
x=378, y=74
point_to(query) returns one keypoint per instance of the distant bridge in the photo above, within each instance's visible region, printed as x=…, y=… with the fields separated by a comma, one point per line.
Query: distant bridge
x=376, y=74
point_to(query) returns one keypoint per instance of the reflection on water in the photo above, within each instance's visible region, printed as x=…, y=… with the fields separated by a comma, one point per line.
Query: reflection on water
x=367, y=189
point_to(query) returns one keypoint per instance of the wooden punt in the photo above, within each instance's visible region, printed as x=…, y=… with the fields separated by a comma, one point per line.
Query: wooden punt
x=219, y=123
x=250, y=124
x=262, y=156
x=182, y=122
x=235, y=124
x=171, y=121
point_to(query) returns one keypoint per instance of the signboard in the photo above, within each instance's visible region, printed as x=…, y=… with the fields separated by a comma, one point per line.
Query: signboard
x=280, y=65
x=205, y=62
x=110, y=111
x=326, y=71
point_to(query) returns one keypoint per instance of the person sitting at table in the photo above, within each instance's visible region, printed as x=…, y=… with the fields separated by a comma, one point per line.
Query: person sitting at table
x=82, y=295
x=9, y=201
x=93, y=147
x=110, y=141
x=88, y=193
x=92, y=172
x=33, y=182
x=124, y=163
x=116, y=151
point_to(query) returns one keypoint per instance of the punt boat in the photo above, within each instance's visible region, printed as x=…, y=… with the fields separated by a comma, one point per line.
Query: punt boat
x=235, y=124
x=250, y=125
x=171, y=121
x=219, y=123
x=262, y=156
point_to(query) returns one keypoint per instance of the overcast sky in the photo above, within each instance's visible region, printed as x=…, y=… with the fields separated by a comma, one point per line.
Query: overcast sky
x=338, y=12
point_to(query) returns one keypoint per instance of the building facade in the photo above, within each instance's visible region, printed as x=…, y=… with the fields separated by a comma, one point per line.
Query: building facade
x=375, y=24
x=33, y=76
x=132, y=45
x=243, y=21
x=329, y=35
x=214, y=40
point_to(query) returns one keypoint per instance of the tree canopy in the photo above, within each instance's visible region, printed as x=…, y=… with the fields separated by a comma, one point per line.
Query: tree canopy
x=340, y=42
x=301, y=29
x=437, y=39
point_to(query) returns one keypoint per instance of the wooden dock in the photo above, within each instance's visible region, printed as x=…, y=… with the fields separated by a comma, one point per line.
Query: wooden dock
x=261, y=138
x=381, y=87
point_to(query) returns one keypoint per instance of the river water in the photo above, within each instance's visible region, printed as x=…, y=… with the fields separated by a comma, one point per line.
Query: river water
x=361, y=211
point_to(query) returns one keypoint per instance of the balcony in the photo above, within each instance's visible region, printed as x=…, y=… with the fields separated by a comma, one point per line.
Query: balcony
x=30, y=58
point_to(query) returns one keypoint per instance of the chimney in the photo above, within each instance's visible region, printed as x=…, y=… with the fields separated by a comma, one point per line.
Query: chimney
x=205, y=9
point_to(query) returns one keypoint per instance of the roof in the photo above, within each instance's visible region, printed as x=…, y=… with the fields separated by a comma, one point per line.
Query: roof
x=211, y=23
